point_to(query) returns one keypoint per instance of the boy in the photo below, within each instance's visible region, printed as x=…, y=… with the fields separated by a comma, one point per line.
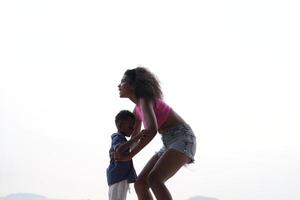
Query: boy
x=121, y=173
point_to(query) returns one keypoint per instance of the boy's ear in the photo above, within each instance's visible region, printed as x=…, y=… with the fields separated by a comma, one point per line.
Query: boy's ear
x=119, y=124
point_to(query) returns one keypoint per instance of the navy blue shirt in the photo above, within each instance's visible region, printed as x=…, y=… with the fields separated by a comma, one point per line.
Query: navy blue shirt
x=119, y=170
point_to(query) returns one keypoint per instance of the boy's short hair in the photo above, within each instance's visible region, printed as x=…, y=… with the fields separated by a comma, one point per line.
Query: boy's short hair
x=123, y=115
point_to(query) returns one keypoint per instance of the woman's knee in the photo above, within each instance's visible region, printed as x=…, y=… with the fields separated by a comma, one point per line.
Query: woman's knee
x=141, y=183
x=154, y=179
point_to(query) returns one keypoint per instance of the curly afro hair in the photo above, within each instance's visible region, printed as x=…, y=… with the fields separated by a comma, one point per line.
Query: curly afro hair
x=145, y=83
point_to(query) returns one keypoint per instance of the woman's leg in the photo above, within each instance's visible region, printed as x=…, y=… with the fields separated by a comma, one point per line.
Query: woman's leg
x=167, y=165
x=141, y=185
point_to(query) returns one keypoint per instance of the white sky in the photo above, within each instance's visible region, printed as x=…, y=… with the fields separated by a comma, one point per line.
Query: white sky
x=229, y=68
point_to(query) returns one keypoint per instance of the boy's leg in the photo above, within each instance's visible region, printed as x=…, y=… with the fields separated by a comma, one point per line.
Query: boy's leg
x=118, y=191
x=112, y=191
x=123, y=189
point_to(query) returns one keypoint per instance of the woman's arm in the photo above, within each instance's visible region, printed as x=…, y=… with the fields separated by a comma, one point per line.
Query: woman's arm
x=137, y=126
x=150, y=121
x=125, y=146
x=146, y=135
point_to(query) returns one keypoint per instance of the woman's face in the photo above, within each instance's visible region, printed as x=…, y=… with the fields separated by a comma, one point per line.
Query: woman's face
x=125, y=89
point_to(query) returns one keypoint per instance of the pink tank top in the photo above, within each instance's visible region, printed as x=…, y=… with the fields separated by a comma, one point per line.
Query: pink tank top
x=161, y=110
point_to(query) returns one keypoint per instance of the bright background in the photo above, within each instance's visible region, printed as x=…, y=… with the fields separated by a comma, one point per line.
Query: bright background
x=229, y=68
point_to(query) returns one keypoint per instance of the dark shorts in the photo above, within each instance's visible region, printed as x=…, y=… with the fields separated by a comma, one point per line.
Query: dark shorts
x=180, y=138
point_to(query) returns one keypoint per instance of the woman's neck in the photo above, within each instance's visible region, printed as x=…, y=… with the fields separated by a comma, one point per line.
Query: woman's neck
x=134, y=99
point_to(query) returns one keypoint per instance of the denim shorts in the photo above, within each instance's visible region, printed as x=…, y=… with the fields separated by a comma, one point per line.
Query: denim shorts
x=180, y=138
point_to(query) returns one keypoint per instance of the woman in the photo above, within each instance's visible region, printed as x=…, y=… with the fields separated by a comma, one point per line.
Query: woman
x=179, y=142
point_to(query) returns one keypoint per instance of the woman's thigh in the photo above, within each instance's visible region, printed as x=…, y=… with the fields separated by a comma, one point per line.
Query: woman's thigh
x=168, y=164
x=148, y=167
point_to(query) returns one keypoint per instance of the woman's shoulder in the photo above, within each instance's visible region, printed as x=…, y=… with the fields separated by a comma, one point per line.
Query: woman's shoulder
x=144, y=101
x=161, y=102
x=157, y=103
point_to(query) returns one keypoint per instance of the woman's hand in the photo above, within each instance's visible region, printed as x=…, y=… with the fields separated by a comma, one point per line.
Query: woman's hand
x=144, y=133
x=140, y=136
x=136, y=137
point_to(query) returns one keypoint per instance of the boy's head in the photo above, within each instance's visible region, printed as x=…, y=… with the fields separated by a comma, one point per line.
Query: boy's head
x=125, y=122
